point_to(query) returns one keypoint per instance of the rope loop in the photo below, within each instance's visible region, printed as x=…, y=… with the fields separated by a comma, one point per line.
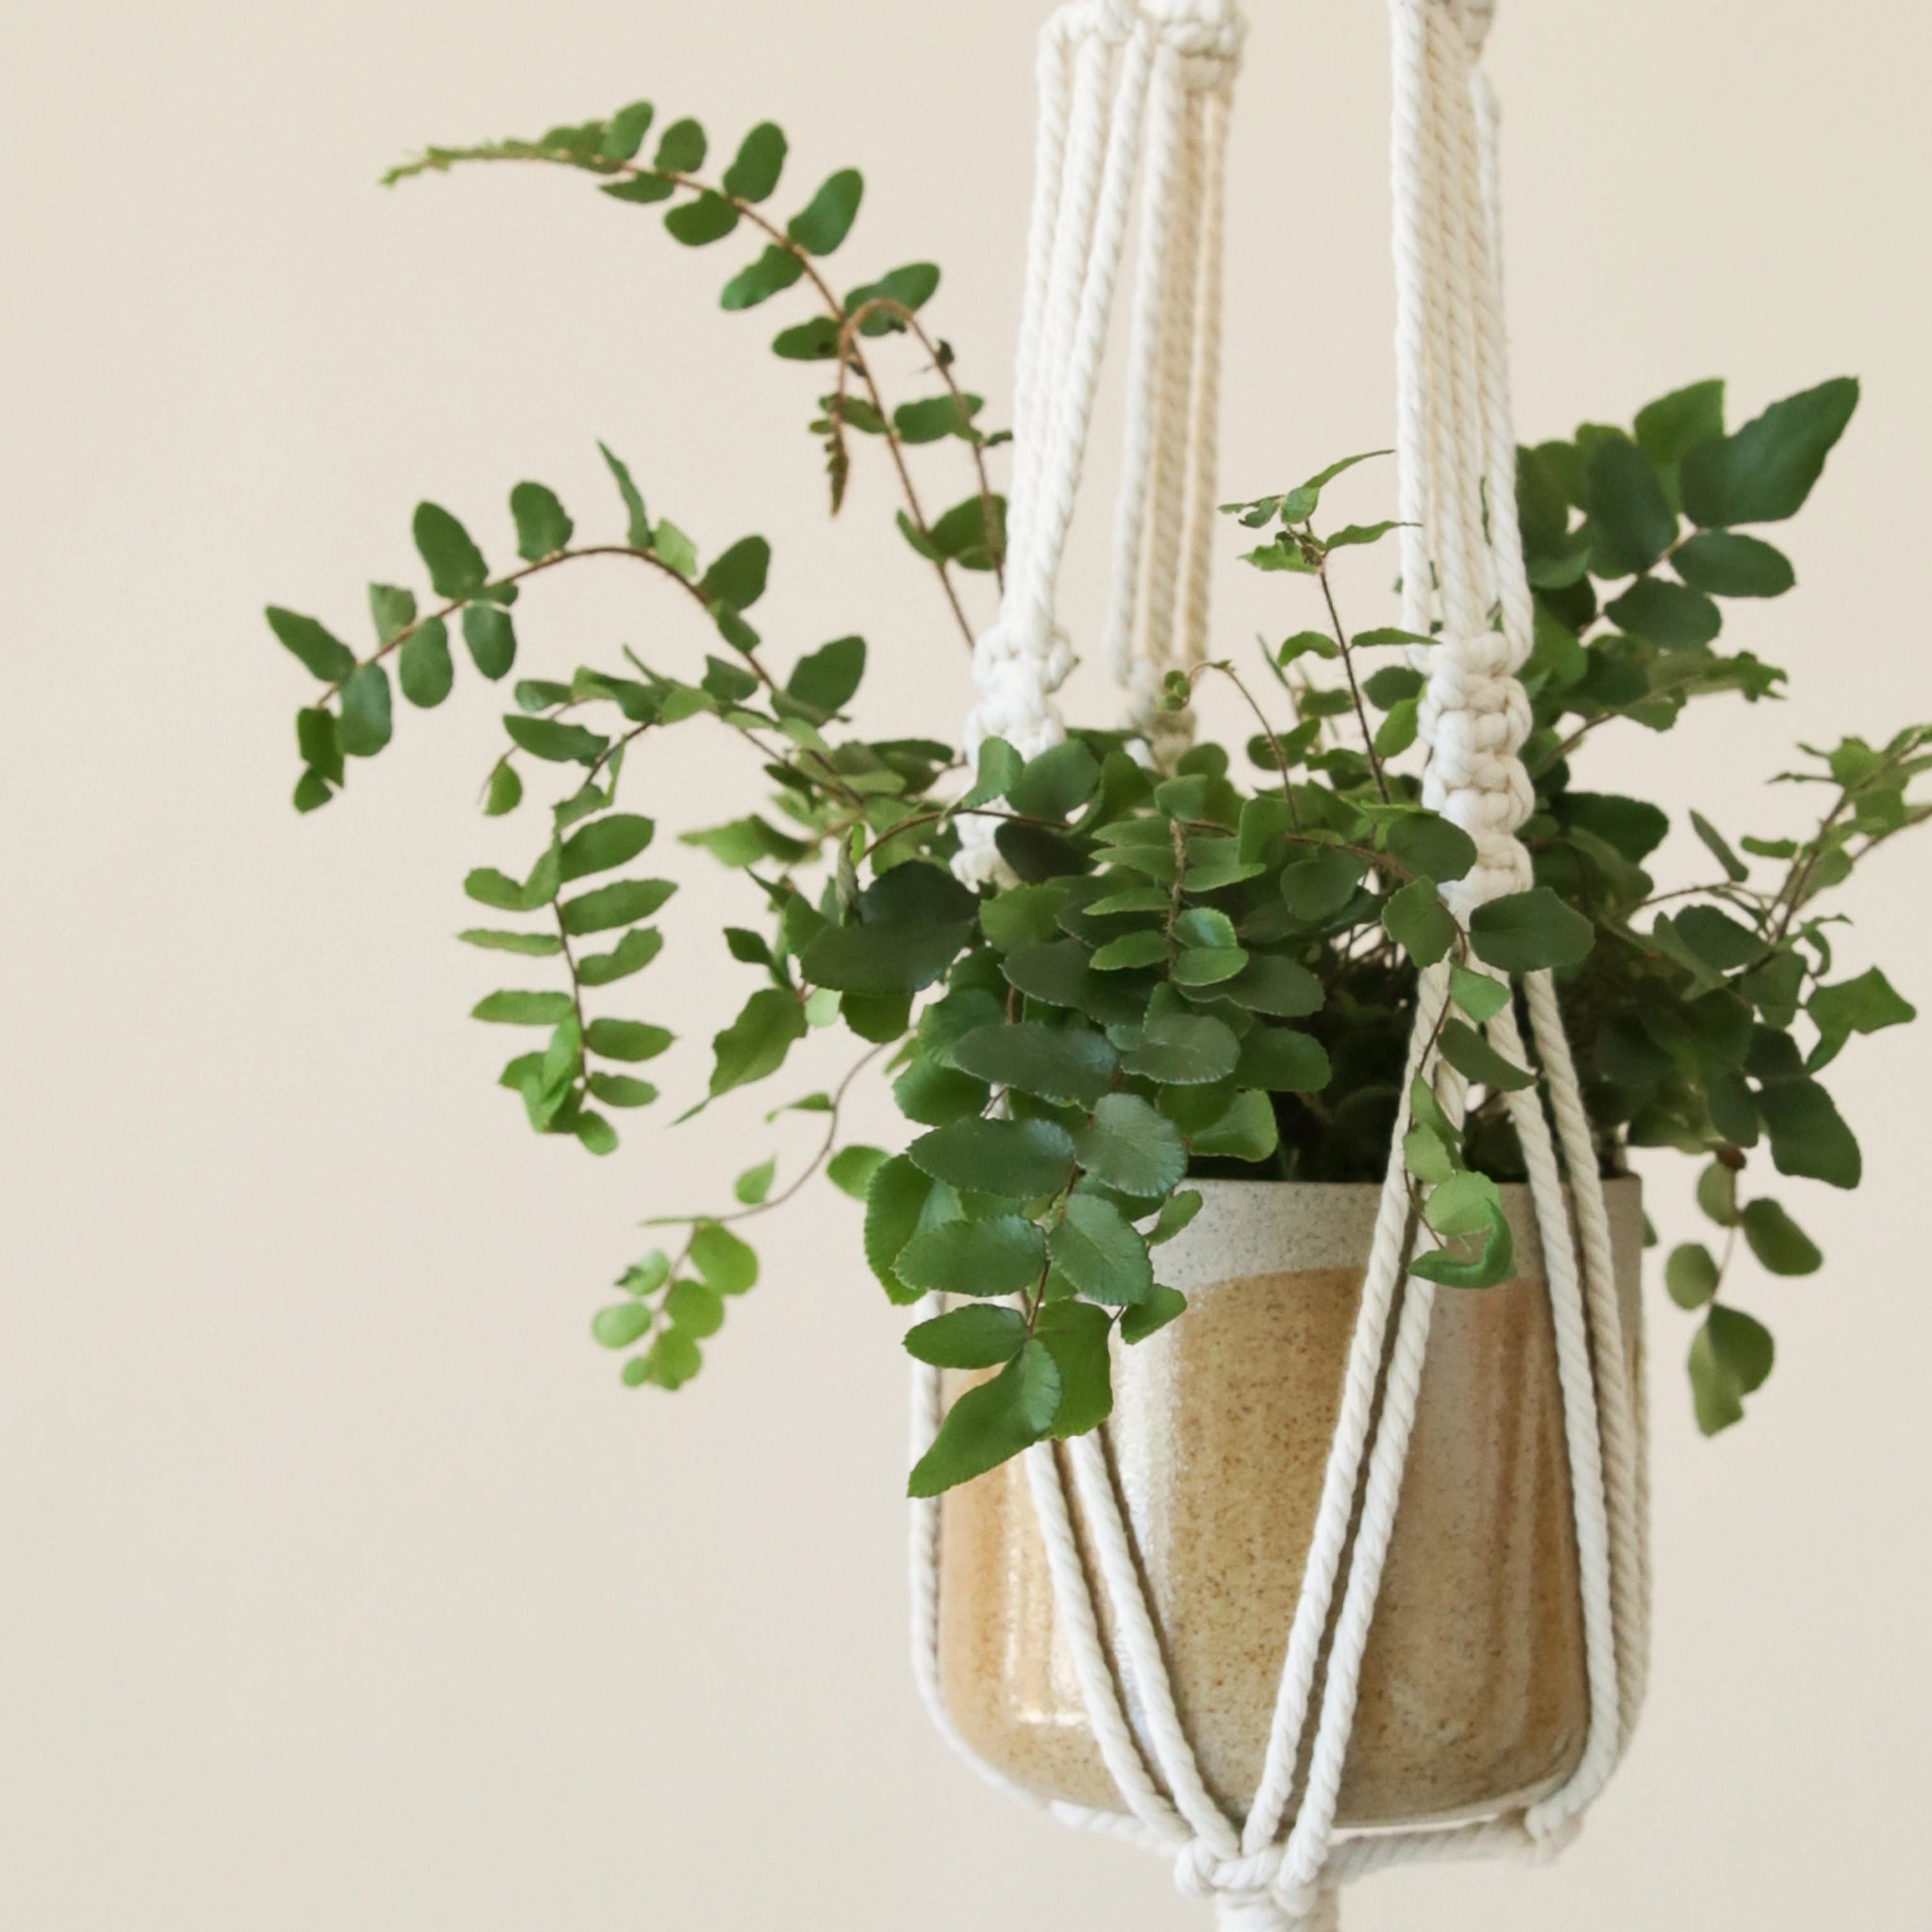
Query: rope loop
x=1254, y=1893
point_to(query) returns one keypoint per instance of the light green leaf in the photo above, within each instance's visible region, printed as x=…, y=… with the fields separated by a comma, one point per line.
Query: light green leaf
x=536, y=945
x=1247, y=1131
x=620, y=1089
x=851, y=1169
x=1076, y=1335
x=626, y=1040
x=755, y=1183
x=1479, y=995
x=632, y=954
x=1691, y=1275
x=695, y=1307
x=724, y=1260
x=523, y=1008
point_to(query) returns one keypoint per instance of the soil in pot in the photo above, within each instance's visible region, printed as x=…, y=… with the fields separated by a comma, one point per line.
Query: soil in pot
x=1473, y=1693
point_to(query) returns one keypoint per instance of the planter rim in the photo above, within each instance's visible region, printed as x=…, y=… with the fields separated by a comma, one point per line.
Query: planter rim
x=1254, y=1229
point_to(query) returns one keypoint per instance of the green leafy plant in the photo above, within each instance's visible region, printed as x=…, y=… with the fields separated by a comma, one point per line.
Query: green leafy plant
x=1191, y=973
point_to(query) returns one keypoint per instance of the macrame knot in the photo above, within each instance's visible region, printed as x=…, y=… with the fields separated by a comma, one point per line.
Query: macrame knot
x=1475, y=717
x=1253, y=1893
x=1017, y=668
x=1208, y=30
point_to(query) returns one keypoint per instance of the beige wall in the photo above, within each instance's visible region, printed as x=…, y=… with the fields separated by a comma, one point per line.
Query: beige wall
x=340, y=1584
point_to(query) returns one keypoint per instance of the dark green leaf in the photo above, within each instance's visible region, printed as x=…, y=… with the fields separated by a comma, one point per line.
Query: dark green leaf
x=455, y=565
x=1246, y=1131
x=1777, y=1240
x=775, y=271
x=1731, y=1356
x=1277, y=987
x=738, y=576
x=1718, y=939
x=1076, y=1335
x=760, y=159
x=626, y=132
x=1530, y=932
x=1417, y=920
x=991, y=1422
x=999, y=1256
x=1865, y=1004
x=1317, y=888
x=812, y=340
x=323, y=654
x=542, y=527
x=1057, y=783
x=1764, y=472
x=680, y=148
x=895, y=1200
x=1628, y=509
x=637, y=526
x=423, y=666
x=1679, y=422
x=1473, y=1056
x=827, y=219
x=1160, y=1308
x=1055, y=1063
x=1020, y=1158
x=1719, y=848
x=974, y=1337
x=1668, y=614
x=644, y=188
x=1278, y=1059
x=1129, y=1146
x=1184, y=1050
x=756, y=1043
x=551, y=738
x=491, y=638
x=614, y=840
x=1096, y=1249
x=824, y=680
x=708, y=218
x=364, y=726
x=1808, y=1136
x=1723, y=563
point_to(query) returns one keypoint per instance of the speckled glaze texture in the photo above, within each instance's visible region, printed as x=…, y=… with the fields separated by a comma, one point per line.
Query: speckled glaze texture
x=1472, y=1690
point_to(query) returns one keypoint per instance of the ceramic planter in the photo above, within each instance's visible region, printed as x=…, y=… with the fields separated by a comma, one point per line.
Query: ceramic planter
x=1472, y=1690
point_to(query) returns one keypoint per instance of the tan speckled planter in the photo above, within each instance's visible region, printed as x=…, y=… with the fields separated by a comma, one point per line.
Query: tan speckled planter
x=1473, y=1691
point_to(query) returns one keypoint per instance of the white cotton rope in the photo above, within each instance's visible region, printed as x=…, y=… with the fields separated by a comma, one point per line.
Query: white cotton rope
x=1133, y=103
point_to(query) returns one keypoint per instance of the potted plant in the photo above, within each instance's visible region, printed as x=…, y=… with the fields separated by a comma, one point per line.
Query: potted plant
x=1160, y=1060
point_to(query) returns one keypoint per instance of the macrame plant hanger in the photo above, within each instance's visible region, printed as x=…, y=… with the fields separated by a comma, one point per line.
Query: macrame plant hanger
x=1133, y=105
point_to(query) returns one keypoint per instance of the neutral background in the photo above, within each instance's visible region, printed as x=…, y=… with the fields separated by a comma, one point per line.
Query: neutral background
x=340, y=1585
